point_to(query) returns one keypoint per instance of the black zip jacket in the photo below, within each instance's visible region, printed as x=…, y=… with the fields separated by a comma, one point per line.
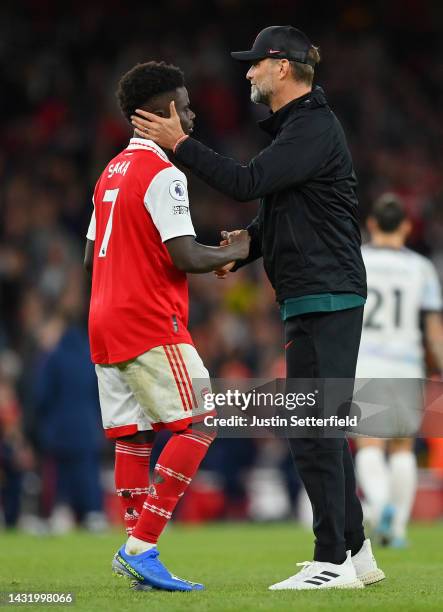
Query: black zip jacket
x=307, y=227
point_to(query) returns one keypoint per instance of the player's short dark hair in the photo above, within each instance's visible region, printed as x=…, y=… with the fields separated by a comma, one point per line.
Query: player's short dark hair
x=145, y=81
x=389, y=212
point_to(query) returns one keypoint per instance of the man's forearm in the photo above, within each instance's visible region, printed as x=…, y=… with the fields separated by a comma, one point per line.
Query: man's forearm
x=221, y=172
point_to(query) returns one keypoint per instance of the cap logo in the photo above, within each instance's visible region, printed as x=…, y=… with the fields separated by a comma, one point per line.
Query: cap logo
x=274, y=51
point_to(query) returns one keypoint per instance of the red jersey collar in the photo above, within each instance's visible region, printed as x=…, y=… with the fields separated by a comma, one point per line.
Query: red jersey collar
x=144, y=144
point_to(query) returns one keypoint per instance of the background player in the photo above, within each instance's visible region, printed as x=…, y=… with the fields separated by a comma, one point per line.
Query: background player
x=141, y=242
x=402, y=286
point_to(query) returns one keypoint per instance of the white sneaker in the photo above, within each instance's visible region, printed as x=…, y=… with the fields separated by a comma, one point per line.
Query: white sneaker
x=322, y=575
x=366, y=565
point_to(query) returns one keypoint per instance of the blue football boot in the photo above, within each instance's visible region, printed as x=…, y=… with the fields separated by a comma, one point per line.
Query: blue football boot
x=399, y=543
x=383, y=530
x=147, y=572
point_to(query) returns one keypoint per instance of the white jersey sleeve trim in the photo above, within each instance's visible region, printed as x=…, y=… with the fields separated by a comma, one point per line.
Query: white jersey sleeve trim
x=166, y=200
x=92, y=225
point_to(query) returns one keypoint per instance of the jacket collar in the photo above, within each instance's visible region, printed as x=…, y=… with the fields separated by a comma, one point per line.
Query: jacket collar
x=312, y=99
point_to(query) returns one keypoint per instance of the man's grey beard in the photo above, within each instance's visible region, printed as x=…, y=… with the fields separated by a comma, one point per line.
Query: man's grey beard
x=259, y=96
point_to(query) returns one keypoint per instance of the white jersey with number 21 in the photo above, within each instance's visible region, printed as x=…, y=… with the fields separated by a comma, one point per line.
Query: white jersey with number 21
x=401, y=285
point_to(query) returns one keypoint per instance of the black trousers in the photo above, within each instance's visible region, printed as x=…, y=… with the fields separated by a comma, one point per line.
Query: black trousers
x=325, y=345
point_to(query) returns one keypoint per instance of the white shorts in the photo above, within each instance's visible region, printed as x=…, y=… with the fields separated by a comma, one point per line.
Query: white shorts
x=391, y=395
x=389, y=407
x=162, y=389
x=369, y=366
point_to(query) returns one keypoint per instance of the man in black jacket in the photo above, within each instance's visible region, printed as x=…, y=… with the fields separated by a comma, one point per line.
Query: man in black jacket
x=307, y=232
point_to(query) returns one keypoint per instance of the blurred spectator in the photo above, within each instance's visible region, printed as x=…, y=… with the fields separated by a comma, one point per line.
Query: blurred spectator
x=15, y=454
x=67, y=421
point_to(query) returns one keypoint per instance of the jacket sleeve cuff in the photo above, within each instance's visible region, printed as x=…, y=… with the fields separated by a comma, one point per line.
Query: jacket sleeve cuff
x=178, y=143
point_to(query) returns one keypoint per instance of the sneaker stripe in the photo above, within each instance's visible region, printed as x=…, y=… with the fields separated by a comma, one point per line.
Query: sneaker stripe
x=316, y=582
x=324, y=578
x=330, y=574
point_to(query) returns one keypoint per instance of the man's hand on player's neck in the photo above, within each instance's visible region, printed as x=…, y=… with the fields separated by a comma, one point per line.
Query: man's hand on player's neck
x=165, y=131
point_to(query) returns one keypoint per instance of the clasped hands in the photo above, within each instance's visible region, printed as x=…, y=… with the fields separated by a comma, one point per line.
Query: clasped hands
x=229, y=238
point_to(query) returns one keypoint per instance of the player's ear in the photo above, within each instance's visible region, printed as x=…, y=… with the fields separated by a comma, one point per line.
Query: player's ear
x=406, y=228
x=371, y=224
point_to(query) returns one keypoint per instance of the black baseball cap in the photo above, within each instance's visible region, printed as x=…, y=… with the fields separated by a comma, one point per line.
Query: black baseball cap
x=278, y=42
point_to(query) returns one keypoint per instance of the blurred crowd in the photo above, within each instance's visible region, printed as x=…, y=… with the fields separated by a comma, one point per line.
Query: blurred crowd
x=382, y=70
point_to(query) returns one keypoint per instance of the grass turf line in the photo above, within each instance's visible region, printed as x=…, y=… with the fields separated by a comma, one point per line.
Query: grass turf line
x=236, y=562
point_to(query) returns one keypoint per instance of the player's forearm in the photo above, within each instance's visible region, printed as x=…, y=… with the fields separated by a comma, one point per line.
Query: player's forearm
x=436, y=348
x=434, y=336
x=202, y=258
x=89, y=257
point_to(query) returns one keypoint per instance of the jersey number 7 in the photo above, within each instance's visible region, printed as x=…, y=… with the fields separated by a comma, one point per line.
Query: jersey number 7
x=111, y=195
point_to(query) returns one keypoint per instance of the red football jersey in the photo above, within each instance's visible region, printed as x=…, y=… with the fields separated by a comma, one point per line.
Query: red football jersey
x=139, y=299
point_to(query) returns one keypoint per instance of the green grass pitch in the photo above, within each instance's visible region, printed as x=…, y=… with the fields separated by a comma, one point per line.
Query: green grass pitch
x=237, y=562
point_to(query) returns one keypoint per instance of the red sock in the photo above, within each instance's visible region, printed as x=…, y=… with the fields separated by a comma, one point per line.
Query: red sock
x=173, y=473
x=132, y=479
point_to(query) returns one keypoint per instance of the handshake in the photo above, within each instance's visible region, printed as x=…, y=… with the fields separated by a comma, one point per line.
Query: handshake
x=237, y=238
